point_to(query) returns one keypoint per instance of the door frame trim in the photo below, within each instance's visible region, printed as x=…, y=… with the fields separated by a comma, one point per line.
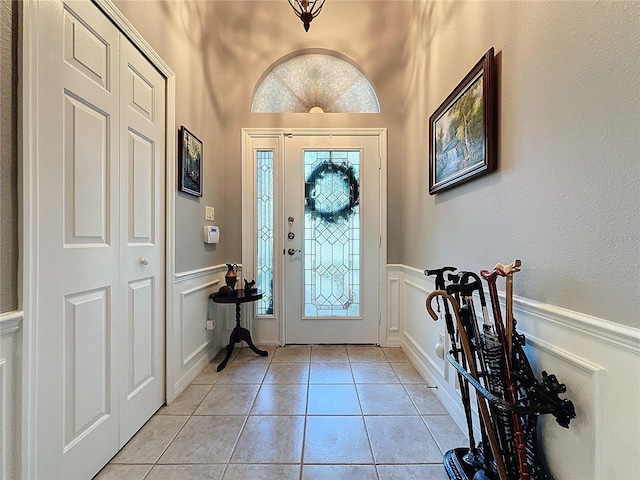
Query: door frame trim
x=248, y=216
x=27, y=168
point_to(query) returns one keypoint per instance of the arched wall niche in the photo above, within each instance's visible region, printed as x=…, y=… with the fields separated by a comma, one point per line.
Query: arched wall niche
x=315, y=81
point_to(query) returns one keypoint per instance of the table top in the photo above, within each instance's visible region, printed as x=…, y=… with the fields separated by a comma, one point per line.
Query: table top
x=239, y=296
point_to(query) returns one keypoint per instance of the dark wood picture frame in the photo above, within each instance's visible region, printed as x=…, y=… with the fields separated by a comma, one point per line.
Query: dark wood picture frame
x=190, y=163
x=463, y=130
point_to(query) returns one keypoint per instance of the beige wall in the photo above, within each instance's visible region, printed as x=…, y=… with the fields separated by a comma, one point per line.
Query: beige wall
x=258, y=33
x=9, y=248
x=566, y=196
x=219, y=50
x=187, y=34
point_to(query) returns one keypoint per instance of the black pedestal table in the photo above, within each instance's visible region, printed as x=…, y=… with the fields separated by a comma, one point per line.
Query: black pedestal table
x=238, y=297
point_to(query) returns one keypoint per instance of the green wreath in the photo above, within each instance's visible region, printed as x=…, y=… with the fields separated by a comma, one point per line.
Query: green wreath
x=350, y=181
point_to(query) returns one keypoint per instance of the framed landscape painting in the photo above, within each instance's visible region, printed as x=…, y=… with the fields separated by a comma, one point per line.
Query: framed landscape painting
x=190, y=163
x=463, y=130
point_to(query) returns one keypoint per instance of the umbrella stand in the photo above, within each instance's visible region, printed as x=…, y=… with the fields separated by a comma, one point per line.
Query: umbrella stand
x=508, y=412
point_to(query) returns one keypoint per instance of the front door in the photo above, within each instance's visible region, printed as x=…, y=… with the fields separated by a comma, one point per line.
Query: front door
x=331, y=237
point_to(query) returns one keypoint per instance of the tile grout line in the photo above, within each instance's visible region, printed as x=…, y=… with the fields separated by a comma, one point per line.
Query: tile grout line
x=179, y=430
x=306, y=413
x=366, y=429
x=270, y=362
x=246, y=419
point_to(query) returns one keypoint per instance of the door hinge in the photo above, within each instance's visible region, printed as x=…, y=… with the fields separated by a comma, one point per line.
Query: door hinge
x=379, y=240
x=379, y=318
x=379, y=163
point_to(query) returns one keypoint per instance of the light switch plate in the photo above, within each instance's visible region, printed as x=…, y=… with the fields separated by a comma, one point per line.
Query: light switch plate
x=209, y=213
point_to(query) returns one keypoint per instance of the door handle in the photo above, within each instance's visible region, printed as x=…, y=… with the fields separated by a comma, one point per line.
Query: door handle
x=144, y=261
x=292, y=251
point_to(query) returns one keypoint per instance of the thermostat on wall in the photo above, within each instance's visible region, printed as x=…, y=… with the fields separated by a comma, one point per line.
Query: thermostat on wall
x=211, y=234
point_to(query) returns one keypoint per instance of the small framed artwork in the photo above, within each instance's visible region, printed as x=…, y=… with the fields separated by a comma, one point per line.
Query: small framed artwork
x=463, y=130
x=190, y=163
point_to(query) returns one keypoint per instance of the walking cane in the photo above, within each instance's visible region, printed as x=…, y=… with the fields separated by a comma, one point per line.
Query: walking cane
x=472, y=457
x=482, y=402
x=476, y=285
x=490, y=278
x=509, y=270
x=438, y=273
x=518, y=435
x=470, y=323
x=469, y=283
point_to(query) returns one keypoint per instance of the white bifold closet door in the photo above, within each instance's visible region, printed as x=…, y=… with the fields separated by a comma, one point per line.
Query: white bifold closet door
x=99, y=324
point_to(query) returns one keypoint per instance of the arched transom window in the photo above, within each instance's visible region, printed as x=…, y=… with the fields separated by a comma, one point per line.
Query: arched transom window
x=310, y=82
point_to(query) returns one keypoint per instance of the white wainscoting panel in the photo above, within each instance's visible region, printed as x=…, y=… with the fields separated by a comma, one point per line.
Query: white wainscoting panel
x=586, y=385
x=393, y=312
x=10, y=394
x=194, y=304
x=193, y=346
x=423, y=327
x=597, y=360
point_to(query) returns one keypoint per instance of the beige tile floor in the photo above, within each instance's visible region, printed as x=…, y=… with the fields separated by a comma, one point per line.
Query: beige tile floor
x=303, y=413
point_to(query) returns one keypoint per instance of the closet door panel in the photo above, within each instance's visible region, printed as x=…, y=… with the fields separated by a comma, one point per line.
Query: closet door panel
x=141, y=190
x=87, y=372
x=77, y=234
x=142, y=153
x=87, y=174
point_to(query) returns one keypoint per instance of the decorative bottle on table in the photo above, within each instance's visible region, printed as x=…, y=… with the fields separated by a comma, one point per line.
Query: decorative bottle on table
x=232, y=275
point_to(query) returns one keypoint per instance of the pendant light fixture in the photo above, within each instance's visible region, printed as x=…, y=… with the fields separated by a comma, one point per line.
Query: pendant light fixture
x=307, y=10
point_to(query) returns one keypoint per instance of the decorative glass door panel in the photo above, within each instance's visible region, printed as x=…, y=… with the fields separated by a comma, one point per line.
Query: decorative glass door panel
x=264, y=229
x=332, y=234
